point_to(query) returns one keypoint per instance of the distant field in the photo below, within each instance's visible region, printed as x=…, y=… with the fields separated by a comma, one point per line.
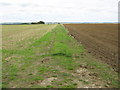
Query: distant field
x=46, y=56
x=19, y=36
x=100, y=39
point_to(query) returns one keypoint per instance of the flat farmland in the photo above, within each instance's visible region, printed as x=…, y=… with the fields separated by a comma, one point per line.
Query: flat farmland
x=101, y=40
x=46, y=56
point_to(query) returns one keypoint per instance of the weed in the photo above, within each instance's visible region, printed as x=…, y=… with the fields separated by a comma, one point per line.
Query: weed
x=84, y=81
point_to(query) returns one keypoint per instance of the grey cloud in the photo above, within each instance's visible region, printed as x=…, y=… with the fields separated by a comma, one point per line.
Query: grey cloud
x=97, y=10
x=25, y=5
x=28, y=4
x=68, y=7
x=21, y=10
x=5, y=4
x=113, y=11
x=103, y=10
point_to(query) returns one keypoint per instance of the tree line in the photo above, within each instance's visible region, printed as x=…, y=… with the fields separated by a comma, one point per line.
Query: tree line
x=40, y=22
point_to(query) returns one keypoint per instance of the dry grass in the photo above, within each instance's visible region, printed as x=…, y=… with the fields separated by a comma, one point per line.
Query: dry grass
x=22, y=34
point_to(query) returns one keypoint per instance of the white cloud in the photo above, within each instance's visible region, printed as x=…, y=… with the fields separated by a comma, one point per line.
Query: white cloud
x=59, y=10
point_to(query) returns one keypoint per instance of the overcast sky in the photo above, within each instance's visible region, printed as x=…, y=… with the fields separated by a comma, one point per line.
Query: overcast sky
x=59, y=10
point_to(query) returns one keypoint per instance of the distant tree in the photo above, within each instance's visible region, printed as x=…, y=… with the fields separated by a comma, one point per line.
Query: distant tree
x=58, y=23
x=25, y=23
x=33, y=23
x=41, y=22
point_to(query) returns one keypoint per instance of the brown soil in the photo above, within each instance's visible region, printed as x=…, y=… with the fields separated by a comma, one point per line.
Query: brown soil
x=101, y=40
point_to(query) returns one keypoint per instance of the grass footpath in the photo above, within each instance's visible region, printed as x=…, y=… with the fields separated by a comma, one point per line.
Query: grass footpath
x=55, y=60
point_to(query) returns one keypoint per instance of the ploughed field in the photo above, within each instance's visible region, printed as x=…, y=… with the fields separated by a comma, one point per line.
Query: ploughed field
x=100, y=40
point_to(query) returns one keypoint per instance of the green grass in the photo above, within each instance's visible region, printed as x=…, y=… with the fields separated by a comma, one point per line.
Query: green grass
x=84, y=81
x=37, y=78
x=61, y=55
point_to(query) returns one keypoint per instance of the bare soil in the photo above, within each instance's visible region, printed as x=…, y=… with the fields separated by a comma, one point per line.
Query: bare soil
x=101, y=40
